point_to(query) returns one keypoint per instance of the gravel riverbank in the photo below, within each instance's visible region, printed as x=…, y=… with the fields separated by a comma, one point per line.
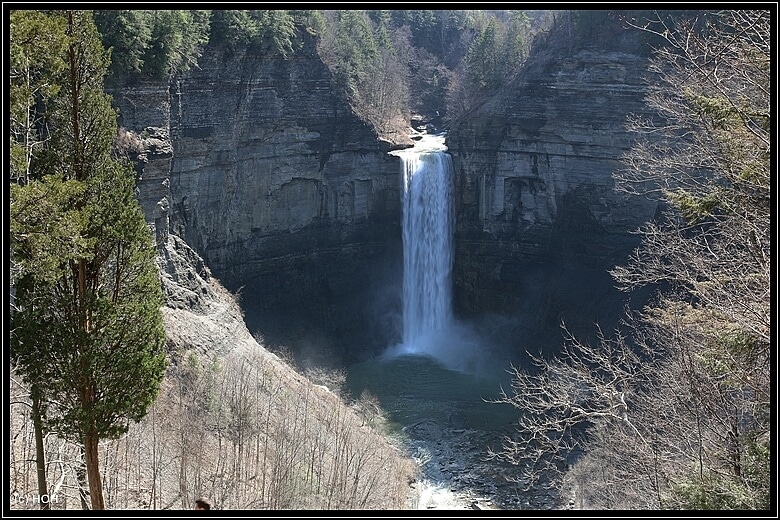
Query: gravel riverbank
x=456, y=475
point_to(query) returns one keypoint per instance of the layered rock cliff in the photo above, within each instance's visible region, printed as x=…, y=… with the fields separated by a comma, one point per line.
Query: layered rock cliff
x=261, y=166
x=279, y=186
x=265, y=148
x=538, y=220
x=273, y=180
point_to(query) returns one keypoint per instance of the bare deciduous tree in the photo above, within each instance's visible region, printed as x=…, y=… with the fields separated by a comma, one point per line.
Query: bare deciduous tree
x=686, y=423
x=562, y=395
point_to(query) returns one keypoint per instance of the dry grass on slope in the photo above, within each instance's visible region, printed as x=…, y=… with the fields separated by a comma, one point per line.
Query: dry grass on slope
x=232, y=423
x=249, y=433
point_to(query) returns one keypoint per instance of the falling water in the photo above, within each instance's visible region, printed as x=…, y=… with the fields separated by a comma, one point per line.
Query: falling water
x=426, y=173
x=443, y=372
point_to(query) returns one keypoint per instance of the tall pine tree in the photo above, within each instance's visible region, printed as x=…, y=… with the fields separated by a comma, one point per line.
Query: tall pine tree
x=87, y=332
x=36, y=65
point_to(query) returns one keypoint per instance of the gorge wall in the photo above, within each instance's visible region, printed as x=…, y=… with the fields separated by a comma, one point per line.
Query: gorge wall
x=538, y=220
x=285, y=193
x=291, y=200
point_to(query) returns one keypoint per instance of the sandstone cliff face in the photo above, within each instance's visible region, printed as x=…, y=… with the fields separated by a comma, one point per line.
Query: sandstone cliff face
x=272, y=168
x=538, y=219
x=272, y=179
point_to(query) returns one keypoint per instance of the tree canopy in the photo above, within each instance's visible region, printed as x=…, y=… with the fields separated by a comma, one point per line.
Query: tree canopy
x=449, y=59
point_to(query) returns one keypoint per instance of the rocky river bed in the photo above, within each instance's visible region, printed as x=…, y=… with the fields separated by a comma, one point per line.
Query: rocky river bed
x=456, y=473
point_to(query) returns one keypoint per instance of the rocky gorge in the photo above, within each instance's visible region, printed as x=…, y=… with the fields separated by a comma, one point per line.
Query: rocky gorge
x=261, y=167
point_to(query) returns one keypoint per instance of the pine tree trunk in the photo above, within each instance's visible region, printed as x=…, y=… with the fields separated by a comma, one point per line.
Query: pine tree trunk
x=93, y=471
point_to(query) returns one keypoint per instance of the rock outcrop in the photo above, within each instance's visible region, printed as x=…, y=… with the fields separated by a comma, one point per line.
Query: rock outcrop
x=539, y=222
x=144, y=117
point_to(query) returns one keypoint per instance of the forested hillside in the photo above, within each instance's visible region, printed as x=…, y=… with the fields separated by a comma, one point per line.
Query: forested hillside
x=392, y=63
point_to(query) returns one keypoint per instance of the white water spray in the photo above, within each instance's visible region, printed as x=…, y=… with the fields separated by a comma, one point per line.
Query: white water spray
x=426, y=176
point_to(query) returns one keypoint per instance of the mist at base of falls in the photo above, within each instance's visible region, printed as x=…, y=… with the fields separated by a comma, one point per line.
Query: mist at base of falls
x=457, y=347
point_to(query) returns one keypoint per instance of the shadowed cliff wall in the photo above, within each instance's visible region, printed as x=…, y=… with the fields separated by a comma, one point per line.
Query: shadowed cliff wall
x=273, y=180
x=538, y=220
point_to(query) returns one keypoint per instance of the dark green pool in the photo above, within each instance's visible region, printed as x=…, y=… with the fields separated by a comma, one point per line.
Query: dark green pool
x=412, y=388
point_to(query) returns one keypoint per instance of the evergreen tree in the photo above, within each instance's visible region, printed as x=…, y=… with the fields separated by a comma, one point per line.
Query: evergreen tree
x=37, y=45
x=483, y=60
x=277, y=32
x=175, y=41
x=88, y=330
x=232, y=27
x=127, y=34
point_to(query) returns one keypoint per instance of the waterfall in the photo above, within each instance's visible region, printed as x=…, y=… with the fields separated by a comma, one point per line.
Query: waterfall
x=428, y=225
x=426, y=176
